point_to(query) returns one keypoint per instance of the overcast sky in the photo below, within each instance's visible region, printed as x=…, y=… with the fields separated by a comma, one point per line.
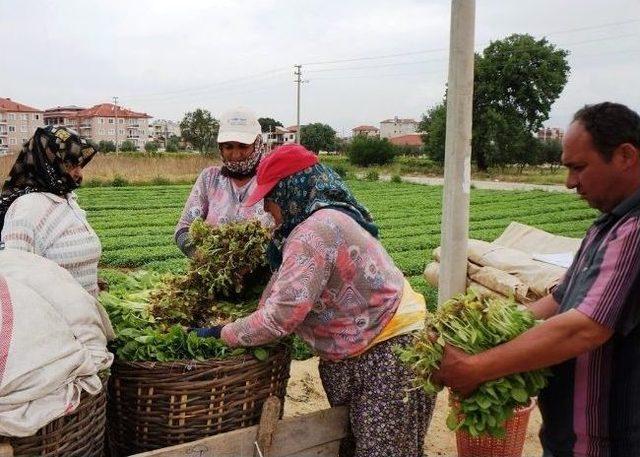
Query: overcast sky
x=169, y=57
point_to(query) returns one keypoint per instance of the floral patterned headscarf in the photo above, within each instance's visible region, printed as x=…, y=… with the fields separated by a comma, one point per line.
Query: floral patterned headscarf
x=42, y=165
x=307, y=191
x=245, y=168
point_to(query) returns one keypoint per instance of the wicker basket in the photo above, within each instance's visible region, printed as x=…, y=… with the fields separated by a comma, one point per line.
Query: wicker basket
x=488, y=446
x=158, y=404
x=79, y=434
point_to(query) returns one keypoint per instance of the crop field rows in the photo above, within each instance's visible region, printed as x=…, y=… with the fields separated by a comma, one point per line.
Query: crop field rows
x=136, y=224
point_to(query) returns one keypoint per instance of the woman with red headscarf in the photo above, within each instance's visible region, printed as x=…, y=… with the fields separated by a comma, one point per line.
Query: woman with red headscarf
x=336, y=287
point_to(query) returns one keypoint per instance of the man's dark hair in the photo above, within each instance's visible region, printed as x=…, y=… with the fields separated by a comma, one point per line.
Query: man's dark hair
x=610, y=125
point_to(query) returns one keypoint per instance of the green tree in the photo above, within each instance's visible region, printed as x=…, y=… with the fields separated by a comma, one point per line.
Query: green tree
x=365, y=151
x=151, y=146
x=549, y=153
x=268, y=124
x=173, y=144
x=516, y=81
x=128, y=146
x=106, y=146
x=200, y=129
x=434, y=125
x=318, y=137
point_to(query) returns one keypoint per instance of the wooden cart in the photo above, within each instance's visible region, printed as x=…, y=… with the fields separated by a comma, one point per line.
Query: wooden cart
x=316, y=434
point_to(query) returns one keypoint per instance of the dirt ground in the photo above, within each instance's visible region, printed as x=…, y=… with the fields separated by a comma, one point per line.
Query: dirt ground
x=305, y=395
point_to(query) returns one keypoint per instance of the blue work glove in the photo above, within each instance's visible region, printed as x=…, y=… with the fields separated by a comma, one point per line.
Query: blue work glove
x=208, y=332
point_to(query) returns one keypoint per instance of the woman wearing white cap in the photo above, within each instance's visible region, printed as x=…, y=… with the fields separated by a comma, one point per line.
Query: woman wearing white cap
x=219, y=192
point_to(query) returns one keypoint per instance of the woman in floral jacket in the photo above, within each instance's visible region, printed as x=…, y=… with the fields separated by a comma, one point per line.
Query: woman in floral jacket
x=336, y=287
x=218, y=195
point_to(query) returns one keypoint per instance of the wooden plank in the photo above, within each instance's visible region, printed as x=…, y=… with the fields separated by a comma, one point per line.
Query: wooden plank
x=268, y=423
x=324, y=450
x=297, y=434
x=6, y=450
x=293, y=436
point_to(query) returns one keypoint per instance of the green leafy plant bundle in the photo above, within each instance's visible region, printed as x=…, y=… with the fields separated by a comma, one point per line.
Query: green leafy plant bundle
x=151, y=313
x=475, y=325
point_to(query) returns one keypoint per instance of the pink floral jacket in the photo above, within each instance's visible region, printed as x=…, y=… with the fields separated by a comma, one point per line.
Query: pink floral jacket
x=336, y=288
x=217, y=200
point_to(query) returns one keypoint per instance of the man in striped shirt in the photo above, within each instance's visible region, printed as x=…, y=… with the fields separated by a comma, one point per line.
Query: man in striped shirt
x=591, y=336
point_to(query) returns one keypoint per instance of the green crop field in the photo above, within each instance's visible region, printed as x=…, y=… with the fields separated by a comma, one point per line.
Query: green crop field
x=135, y=224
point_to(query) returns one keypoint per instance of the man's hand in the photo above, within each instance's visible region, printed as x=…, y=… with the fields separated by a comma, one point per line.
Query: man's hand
x=457, y=372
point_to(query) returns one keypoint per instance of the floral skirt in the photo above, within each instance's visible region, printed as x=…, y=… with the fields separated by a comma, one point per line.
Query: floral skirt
x=386, y=419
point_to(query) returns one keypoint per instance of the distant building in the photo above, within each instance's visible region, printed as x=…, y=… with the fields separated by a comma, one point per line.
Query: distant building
x=280, y=136
x=17, y=124
x=162, y=129
x=391, y=128
x=103, y=122
x=365, y=130
x=550, y=133
x=413, y=139
x=65, y=116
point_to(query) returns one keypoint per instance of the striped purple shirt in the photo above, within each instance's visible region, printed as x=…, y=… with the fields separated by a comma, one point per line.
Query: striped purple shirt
x=591, y=407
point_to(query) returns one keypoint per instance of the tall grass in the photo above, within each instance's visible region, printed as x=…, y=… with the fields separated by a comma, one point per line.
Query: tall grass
x=165, y=168
x=135, y=168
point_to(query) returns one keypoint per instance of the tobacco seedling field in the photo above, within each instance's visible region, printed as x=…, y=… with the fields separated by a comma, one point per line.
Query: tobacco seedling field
x=136, y=224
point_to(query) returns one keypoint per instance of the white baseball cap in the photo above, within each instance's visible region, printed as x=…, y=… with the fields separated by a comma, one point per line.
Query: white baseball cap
x=239, y=124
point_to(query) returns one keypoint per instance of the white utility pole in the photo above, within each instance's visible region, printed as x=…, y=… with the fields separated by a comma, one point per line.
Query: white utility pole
x=457, y=164
x=115, y=102
x=298, y=74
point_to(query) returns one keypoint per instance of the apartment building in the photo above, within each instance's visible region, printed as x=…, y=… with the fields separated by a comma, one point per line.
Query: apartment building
x=103, y=122
x=17, y=124
x=391, y=128
x=65, y=116
x=550, y=133
x=162, y=129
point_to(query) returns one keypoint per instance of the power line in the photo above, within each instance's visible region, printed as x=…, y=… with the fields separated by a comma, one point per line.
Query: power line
x=387, y=56
x=515, y=51
x=426, y=51
x=241, y=82
x=593, y=27
x=215, y=85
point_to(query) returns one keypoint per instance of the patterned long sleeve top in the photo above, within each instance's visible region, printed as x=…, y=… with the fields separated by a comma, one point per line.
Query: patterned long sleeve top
x=336, y=288
x=217, y=200
x=55, y=228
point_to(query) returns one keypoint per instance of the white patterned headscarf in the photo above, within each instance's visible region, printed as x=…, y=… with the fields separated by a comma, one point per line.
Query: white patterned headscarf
x=245, y=168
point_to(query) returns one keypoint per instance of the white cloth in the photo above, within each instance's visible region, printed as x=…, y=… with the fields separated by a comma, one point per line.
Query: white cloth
x=53, y=338
x=512, y=264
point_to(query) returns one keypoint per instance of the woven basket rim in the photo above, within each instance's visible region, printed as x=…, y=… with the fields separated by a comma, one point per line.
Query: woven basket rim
x=193, y=363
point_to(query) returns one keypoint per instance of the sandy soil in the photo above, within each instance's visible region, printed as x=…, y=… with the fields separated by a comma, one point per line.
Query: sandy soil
x=305, y=395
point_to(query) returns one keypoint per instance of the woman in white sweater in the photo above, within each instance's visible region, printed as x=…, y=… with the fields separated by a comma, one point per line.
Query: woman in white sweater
x=38, y=208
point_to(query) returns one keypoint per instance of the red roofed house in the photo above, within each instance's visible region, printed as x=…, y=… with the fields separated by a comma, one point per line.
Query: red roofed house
x=17, y=124
x=104, y=122
x=365, y=130
x=413, y=139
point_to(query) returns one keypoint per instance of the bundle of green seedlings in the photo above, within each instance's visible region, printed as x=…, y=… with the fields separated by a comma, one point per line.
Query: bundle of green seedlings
x=152, y=313
x=475, y=325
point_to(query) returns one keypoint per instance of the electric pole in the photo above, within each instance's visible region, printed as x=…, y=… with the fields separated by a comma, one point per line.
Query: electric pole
x=298, y=74
x=457, y=162
x=115, y=102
